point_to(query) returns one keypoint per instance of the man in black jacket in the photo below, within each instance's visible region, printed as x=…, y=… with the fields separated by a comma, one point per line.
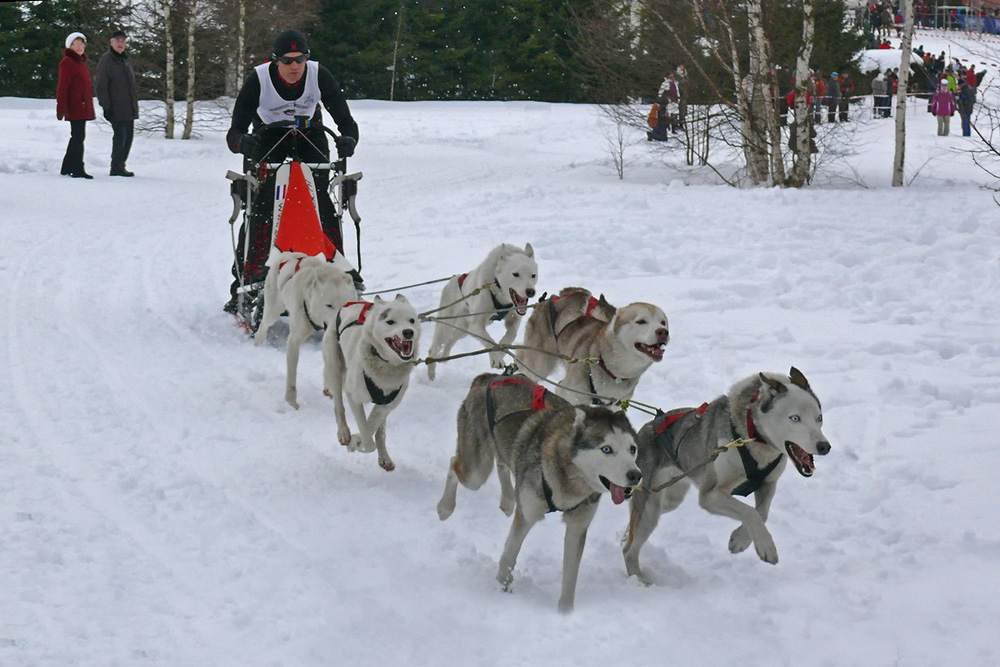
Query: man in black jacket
x=289, y=85
x=118, y=95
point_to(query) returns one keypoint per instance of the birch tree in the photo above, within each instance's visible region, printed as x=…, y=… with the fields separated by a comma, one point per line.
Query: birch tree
x=189, y=115
x=800, y=172
x=168, y=93
x=899, y=161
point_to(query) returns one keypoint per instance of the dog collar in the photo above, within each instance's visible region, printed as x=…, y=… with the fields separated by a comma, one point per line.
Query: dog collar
x=378, y=396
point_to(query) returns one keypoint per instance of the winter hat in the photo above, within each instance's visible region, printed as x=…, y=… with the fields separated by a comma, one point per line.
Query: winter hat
x=289, y=41
x=944, y=85
x=833, y=74
x=73, y=36
x=119, y=33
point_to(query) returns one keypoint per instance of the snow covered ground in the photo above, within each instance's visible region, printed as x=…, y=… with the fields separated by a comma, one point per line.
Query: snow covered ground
x=162, y=505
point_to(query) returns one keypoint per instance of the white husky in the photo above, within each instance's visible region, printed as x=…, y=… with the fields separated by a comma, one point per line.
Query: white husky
x=367, y=359
x=507, y=277
x=312, y=291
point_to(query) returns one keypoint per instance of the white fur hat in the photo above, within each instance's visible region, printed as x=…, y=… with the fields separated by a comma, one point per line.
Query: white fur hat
x=73, y=36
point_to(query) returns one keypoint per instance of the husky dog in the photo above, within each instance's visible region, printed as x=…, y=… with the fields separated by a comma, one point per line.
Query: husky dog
x=777, y=418
x=312, y=291
x=367, y=357
x=563, y=458
x=625, y=345
x=510, y=274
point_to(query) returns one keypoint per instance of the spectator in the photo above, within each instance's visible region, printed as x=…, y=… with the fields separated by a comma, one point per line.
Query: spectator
x=966, y=102
x=880, y=103
x=819, y=95
x=119, y=97
x=833, y=97
x=669, y=101
x=943, y=106
x=75, y=102
x=846, y=91
x=970, y=78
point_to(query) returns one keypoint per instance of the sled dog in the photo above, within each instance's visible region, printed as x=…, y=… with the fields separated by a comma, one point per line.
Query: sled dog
x=778, y=418
x=312, y=291
x=625, y=342
x=563, y=458
x=367, y=358
x=510, y=274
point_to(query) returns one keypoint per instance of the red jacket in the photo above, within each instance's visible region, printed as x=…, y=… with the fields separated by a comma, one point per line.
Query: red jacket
x=74, y=95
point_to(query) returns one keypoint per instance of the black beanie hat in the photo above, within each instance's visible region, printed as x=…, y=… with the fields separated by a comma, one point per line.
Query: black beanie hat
x=289, y=41
x=118, y=33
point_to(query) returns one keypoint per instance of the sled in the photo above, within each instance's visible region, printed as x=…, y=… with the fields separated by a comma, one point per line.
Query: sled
x=295, y=221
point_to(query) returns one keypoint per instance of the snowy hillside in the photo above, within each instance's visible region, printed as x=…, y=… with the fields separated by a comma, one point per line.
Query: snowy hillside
x=162, y=505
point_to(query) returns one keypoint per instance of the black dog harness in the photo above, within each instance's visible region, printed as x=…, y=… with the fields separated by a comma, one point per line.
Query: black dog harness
x=379, y=397
x=554, y=315
x=501, y=309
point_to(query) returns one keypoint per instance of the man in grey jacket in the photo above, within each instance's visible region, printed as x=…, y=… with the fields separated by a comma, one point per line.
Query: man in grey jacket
x=119, y=97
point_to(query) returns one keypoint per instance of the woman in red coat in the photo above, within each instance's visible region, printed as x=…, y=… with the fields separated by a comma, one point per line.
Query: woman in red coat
x=75, y=102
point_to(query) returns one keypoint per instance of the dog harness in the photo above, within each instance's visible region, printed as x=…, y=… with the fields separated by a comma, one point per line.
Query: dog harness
x=501, y=309
x=305, y=307
x=554, y=315
x=590, y=381
x=755, y=475
x=365, y=305
x=538, y=393
x=378, y=396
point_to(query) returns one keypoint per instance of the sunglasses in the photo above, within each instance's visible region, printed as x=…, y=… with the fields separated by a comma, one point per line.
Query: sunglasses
x=286, y=60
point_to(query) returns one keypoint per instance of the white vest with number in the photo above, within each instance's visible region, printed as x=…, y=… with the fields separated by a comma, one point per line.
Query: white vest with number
x=271, y=108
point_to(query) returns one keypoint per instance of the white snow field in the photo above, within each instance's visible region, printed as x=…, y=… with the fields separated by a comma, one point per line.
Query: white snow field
x=162, y=505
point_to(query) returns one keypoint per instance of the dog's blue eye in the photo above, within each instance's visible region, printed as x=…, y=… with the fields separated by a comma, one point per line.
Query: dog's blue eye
x=632, y=449
x=795, y=418
x=820, y=419
x=606, y=449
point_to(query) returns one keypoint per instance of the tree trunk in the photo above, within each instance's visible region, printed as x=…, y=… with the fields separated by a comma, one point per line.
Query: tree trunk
x=241, y=46
x=899, y=161
x=189, y=116
x=803, y=153
x=395, y=50
x=758, y=97
x=169, y=93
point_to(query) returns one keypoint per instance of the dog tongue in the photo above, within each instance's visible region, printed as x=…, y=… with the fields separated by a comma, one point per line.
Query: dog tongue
x=617, y=494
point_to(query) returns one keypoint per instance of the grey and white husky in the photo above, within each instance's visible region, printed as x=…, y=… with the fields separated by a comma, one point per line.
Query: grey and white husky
x=312, y=292
x=367, y=358
x=508, y=276
x=562, y=457
x=778, y=418
x=625, y=341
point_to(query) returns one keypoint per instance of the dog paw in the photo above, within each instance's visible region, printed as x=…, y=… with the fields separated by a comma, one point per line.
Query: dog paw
x=739, y=540
x=507, y=506
x=505, y=577
x=290, y=397
x=497, y=360
x=565, y=607
x=327, y=392
x=431, y=371
x=445, y=509
x=386, y=464
x=350, y=440
x=767, y=551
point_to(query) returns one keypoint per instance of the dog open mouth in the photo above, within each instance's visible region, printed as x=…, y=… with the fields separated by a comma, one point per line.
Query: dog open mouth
x=404, y=348
x=655, y=352
x=618, y=493
x=520, y=302
x=802, y=459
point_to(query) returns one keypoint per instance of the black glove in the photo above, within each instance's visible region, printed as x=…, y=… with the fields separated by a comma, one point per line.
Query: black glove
x=107, y=115
x=345, y=145
x=248, y=144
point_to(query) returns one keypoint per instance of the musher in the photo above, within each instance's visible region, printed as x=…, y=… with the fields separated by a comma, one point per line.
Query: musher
x=288, y=85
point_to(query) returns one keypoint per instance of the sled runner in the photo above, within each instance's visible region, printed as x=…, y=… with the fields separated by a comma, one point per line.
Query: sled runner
x=297, y=222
